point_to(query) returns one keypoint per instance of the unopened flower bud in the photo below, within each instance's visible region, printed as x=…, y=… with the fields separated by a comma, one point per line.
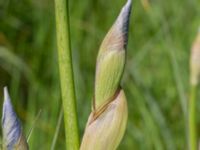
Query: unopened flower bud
x=13, y=138
x=111, y=58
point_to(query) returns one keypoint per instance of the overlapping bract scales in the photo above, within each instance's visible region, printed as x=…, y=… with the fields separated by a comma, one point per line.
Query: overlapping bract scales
x=106, y=132
x=107, y=122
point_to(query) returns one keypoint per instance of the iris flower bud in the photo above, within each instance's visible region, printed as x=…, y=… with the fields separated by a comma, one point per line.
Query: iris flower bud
x=111, y=58
x=13, y=138
x=107, y=122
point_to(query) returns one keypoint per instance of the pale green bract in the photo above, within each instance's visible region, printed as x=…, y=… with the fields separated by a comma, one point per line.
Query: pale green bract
x=109, y=73
x=111, y=59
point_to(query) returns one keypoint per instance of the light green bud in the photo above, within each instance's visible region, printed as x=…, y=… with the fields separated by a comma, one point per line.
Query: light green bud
x=111, y=59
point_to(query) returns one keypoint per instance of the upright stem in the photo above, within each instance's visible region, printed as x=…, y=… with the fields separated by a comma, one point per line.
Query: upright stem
x=192, y=119
x=66, y=74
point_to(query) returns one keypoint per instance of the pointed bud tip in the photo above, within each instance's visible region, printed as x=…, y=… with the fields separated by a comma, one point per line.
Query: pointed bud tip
x=6, y=95
x=129, y=2
x=11, y=126
x=124, y=18
x=127, y=6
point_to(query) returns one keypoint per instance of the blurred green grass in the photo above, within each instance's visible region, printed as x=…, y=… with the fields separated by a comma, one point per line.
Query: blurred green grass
x=156, y=74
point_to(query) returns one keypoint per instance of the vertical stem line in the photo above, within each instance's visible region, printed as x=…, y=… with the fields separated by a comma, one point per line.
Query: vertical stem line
x=57, y=130
x=66, y=74
x=192, y=119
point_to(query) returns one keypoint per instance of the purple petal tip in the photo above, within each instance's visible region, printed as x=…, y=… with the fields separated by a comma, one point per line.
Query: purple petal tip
x=124, y=18
x=11, y=126
x=6, y=95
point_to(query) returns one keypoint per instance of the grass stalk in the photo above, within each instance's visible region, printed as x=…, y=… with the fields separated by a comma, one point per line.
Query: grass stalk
x=66, y=74
x=53, y=145
x=192, y=119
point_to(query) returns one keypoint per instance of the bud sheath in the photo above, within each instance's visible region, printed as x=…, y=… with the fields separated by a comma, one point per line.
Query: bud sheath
x=106, y=131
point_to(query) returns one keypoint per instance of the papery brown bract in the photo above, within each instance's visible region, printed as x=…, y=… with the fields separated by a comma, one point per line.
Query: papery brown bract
x=106, y=131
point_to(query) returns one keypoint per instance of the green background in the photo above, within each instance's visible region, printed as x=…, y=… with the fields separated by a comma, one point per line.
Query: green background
x=156, y=75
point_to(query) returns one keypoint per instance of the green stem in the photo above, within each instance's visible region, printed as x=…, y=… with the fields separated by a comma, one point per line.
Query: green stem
x=66, y=74
x=192, y=119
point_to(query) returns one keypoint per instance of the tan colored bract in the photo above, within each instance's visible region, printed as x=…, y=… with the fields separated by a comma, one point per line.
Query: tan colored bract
x=106, y=131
